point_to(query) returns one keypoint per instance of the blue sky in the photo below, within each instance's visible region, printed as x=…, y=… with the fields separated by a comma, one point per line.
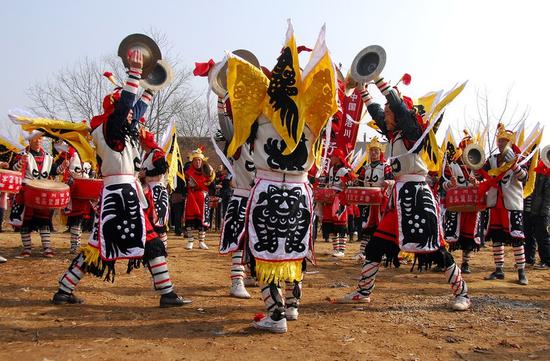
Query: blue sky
x=493, y=44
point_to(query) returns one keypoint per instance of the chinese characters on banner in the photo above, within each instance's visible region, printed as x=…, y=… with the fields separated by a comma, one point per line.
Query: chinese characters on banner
x=344, y=126
x=352, y=109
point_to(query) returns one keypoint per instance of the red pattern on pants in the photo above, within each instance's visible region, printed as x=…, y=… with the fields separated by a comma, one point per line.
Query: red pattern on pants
x=388, y=228
x=500, y=223
x=468, y=226
x=150, y=215
x=79, y=207
x=330, y=217
x=373, y=219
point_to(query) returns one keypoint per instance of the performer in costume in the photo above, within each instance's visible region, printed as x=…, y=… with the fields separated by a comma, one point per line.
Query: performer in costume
x=121, y=229
x=153, y=170
x=353, y=222
x=375, y=174
x=3, y=206
x=461, y=228
x=335, y=217
x=538, y=218
x=272, y=113
x=38, y=164
x=5, y=157
x=505, y=204
x=3, y=200
x=233, y=232
x=199, y=175
x=78, y=209
x=411, y=222
x=176, y=205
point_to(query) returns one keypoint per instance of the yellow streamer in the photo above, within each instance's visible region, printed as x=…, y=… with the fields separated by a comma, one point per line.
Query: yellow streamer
x=278, y=271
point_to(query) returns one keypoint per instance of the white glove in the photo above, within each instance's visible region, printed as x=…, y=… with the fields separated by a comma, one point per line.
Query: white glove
x=509, y=156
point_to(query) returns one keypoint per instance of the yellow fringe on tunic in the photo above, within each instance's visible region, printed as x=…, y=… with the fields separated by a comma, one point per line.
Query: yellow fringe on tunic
x=96, y=266
x=406, y=256
x=268, y=272
x=91, y=256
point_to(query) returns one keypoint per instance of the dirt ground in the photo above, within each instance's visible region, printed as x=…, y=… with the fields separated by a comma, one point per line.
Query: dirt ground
x=408, y=318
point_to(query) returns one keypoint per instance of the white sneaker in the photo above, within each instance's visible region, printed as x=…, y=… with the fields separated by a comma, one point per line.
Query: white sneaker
x=270, y=325
x=355, y=236
x=338, y=254
x=202, y=245
x=3, y=260
x=189, y=245
x=292, y=313
x=238, y=290
x=353, y=297
x=360, y=257
x=461, y=303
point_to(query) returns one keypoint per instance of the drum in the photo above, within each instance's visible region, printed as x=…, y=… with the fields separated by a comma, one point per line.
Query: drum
x=86, y=188
x=10, y=181
x=465, y=199
x=324, y=195
x=46, y=194
x=363, y=195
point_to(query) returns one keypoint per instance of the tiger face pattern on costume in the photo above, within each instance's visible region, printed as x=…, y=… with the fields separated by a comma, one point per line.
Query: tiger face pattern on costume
x=281, y=214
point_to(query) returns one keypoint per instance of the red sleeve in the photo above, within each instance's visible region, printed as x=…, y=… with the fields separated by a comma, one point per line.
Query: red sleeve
x=348, y=177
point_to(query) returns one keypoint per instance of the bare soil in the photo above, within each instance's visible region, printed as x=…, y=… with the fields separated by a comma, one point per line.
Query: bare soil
x=408, y=318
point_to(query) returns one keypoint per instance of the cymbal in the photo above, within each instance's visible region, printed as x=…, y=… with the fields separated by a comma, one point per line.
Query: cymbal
x=149, y=49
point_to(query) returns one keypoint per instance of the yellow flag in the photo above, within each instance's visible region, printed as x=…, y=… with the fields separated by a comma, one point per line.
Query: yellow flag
x=428, y=101
x=431, y=153
x=36, y=123
x=76, y=134
x=167, y=146
x=445, y=100
x=11, y=137
x=9, y=146
x=448, y=146
x=180, y=162
x=172, y=160
x=531, y=175
x=247, y=86
x=318, y=101
x=361, y=162
x=520, y=134
x=285, y=89
x=531, y=139
x=449, y=140
x=318, y=151
x=530, y=185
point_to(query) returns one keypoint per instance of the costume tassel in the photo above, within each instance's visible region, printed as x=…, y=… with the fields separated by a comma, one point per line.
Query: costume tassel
x=268, y=272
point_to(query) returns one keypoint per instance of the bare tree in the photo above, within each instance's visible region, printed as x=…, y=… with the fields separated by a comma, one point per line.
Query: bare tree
x=194, y=121
x=76, y=92
x=73, y=93
x=488, y=116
